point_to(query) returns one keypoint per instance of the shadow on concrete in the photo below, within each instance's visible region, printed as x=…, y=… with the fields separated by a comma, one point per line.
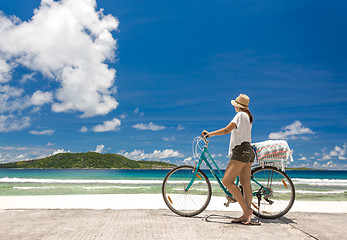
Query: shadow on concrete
x=178, y=216
x=223, y=219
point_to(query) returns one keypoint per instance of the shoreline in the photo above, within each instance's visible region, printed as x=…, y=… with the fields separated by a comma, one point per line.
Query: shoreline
x=142, y=201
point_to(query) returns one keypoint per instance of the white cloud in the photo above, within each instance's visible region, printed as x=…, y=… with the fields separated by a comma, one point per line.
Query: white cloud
x=12, y=99
x=44, y=132
x=60, y=151
x=83, y=129
x=137, y=112
x=188, y=161
x=27, y=77
x=19, y=153
x=123, y=116
x=68, y=41
x=329, y=165
x=156, y=155
x=107, y=126
x=21, y=157
x=5, y=69
x=99, y=148
x=40, y=98
x=316, y=164
x=180, y=127
x=338, y=153
x=10, y=123
x=150, y=126
x=325, y=159
x=293, y=131
x=167, y=139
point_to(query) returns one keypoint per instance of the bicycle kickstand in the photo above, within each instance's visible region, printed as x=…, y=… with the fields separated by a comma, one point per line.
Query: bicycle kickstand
x=259, y=199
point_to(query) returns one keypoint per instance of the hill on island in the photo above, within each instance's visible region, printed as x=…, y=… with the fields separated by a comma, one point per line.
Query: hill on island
x=87, y=160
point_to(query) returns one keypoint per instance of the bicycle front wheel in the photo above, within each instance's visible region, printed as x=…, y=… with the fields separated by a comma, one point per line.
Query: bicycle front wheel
x=275, y=190
x=186, y=203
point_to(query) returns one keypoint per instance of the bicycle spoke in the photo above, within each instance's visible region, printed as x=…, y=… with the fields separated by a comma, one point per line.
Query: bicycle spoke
x=277, y=192
x=190, y=202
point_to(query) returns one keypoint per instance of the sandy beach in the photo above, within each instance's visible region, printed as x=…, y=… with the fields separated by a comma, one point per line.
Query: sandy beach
x=142, y=201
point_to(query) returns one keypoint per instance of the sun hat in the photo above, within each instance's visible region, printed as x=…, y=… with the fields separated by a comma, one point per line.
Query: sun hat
x=241, y=101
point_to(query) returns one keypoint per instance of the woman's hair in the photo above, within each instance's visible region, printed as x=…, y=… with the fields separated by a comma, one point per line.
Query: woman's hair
x=249, y=114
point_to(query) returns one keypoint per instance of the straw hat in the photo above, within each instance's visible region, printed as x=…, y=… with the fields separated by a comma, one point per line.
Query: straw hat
x=241, y=101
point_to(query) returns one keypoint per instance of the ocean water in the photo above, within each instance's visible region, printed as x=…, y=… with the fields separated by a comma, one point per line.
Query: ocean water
x=309, y=185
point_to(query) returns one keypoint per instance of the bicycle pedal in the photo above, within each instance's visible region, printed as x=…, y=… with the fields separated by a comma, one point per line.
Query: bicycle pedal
x=230, y=200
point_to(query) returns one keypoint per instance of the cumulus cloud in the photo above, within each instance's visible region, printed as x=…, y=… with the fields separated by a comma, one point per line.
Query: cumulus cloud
x=69, y=41
x=107, y=126
x=27, y=77
x=21, y=157
x=14, y=157
x=293, y=131
x=40, y=98
x=337, y=153
x=5, y=69
x=302, y=158
x=156, y=155
x=99, y=148
x=12, y=99
x=19, y=153
x=44, y=132
x=60, y=151
x=150, y=126
x=10, y=123
x=326, y=159
x=329, y=165
x=189, y=161
x=83, y=129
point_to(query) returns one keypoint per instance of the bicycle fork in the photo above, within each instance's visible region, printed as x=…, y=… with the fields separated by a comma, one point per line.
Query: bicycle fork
x=195, y=175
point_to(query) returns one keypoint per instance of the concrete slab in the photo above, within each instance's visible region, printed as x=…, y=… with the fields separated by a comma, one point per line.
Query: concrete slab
x=163, y=224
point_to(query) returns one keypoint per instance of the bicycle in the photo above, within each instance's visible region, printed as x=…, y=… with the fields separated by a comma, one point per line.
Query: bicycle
x=187, y=189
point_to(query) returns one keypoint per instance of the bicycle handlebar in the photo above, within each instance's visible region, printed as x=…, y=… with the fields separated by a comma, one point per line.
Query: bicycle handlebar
x=204, y=137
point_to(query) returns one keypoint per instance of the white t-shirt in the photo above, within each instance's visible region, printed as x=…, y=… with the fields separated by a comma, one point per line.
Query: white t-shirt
x=242, y=132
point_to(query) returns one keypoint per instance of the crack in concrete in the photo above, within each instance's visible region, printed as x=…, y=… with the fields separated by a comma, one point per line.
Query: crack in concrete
x=301, y=230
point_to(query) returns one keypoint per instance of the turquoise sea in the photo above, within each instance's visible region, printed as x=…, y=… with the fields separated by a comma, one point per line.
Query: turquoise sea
x=309, y=185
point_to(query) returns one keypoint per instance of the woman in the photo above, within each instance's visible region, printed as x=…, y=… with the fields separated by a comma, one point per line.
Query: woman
x=241, y=156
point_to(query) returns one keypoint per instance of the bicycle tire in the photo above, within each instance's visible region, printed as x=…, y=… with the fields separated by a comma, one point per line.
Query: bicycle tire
x=186, y=203
x=279, y=196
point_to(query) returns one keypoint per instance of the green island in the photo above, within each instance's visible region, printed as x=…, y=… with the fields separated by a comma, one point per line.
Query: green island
x=89, y=160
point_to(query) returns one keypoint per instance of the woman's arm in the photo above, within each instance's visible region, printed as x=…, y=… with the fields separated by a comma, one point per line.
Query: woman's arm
x=221, y=131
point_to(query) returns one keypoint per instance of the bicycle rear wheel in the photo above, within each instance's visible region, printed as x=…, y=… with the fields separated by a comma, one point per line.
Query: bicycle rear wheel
x=186, y=203
x=277, y=192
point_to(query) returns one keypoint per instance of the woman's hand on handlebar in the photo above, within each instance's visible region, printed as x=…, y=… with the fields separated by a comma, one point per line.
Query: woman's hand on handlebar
x=205, y=134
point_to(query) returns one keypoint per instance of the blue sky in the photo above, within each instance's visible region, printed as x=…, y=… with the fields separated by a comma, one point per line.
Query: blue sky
x=143, y=78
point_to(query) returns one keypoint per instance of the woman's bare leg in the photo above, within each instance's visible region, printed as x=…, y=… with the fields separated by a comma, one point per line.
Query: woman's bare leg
x=234, y=169
x=245, y=181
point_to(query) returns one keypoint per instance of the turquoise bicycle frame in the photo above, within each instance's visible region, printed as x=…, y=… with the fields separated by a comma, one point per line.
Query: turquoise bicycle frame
x=204, y=159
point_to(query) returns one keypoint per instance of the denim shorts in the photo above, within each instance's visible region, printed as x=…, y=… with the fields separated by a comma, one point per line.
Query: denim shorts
x=243, y=153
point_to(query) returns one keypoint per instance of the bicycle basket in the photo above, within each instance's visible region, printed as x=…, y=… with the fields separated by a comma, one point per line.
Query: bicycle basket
x=276, y=152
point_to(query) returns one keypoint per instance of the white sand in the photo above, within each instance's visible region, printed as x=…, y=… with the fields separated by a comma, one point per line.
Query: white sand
x=142, y=201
